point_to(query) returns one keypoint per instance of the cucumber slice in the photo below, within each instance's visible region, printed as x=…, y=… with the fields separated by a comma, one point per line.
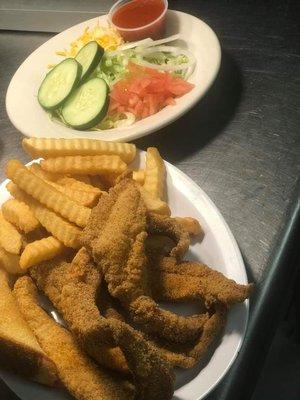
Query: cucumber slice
x=59, y=83
x=89, y=57
x=88, y=105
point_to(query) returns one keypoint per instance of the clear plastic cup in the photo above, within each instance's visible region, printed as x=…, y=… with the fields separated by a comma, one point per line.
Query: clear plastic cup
x=154, y=29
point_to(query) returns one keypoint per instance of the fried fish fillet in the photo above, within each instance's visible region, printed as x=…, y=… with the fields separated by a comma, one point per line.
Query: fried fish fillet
x=115, y=235
x=189, y=280
x=72, y=288
x=79, y=374
x=184, y=356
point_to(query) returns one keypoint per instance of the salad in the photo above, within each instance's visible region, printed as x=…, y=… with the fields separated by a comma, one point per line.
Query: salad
x=104, y=83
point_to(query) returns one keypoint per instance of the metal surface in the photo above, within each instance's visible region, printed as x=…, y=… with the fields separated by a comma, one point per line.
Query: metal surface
x=240, y=144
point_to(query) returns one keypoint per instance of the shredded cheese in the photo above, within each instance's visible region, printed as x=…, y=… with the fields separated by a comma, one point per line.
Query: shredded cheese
x=106, y=36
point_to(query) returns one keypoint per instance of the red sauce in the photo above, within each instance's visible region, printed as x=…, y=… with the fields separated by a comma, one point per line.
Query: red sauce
x=138, y=13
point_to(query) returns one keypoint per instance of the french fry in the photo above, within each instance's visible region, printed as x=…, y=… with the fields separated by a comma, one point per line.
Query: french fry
x=63, y=230
x=139, y=176
x=46, y=175
x=47, y=194
x=78, y=185
x=190, y=224
x=154, y=205
x=155, y=174
x=40, y=250
x=20, y=215
x=63, y=184
x=50, y=147
x=91, y=165
x=10, y=238
x=10, y=262
x=87, y=199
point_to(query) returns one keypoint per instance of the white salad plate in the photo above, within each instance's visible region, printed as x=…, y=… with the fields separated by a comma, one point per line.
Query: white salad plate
x=219, y=250
x=29, y=118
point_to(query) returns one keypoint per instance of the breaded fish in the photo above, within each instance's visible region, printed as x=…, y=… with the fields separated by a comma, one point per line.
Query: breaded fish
x=115, y=235
x=72, y=288
x=79, y=374
x=189, y=280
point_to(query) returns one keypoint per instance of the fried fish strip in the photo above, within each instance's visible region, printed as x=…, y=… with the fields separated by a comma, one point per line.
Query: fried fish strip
x=80, y=375
x=121, y=215
x=187, y=356
x=153, y=376
x=72, y=289
x=167, y=226
x=65, y=284
x=191, y=280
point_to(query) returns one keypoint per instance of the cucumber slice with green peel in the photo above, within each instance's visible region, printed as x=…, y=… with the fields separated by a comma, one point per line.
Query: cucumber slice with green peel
x=87, y=105
x=59, y=84
x=89, y=57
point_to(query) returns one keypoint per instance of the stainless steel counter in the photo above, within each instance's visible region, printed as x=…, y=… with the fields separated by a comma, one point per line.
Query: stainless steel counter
x=240, y=143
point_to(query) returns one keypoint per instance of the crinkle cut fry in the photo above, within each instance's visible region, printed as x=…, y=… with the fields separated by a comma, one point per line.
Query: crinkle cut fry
x=46, y=194
x=191, y=280
x=121, y=215
x=80, y=375
x=72, y=289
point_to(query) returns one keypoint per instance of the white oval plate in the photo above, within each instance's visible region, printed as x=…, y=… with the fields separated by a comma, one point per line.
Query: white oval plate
x=29, y=118
x=218, y=250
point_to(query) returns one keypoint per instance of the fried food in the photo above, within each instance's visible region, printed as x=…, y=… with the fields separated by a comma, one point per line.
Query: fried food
x=167, y=226
x=83, y=197
x=19, y=349
x=46, y=194
x=78, y=185
x=63, y=230
x=155, y=174
x=10, y=238
x=91, y=165
x=40, y=250
x=20, y=215
x=64, y=284
x=50, y=147
x=153, y=376
x=153, y=205
x=191, y=225
x=189, y=280
x=10, y=262
x=139, y=176
x=121, y=215
x=79, y=374
x=187, y=355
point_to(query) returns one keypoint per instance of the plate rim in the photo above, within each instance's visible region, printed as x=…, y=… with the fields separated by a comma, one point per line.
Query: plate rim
x=192, y=185
x=124, y=135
